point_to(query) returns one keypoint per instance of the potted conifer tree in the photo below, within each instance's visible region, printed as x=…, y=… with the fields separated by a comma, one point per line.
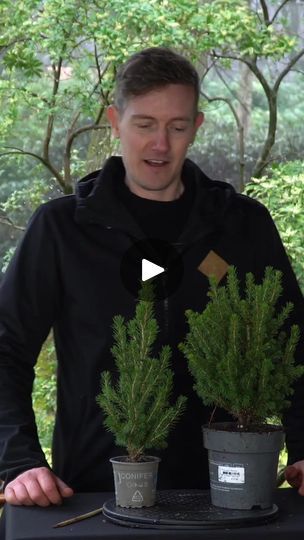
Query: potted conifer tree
x=137, y=406
x=242, y=360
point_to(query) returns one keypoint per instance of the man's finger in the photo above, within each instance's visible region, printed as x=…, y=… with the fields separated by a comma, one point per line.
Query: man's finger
x=63, y=488
x=36, y=493
x=291, y=472
x=293, y=476
x=48, y=483
x=18, y=495
x=10, y=496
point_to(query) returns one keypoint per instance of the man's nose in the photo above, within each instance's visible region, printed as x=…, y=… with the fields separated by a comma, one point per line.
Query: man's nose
x=161, y=141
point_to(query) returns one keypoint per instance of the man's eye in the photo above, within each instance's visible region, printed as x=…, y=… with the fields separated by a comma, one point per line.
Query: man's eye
x=143, y=126
x=179, y=129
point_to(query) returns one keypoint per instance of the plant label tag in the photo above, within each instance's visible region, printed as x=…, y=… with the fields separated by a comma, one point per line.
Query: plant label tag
x=231, y=475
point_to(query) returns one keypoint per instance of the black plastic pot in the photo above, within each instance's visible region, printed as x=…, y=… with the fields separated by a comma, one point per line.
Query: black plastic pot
x=242, y=465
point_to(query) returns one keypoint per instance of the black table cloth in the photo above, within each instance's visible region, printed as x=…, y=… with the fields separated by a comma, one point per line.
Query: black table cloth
x=33, y=523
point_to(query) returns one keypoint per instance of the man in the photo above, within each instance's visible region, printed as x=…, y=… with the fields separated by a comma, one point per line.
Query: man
x=73, y=272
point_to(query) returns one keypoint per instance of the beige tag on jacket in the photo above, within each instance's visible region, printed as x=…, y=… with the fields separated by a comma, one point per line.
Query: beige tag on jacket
x=213, y=265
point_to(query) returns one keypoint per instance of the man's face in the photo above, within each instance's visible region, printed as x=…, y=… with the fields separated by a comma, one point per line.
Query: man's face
x=155, y=130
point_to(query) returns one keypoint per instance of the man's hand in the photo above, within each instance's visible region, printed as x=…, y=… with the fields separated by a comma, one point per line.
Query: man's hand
x=37, y=486
x=294, y=475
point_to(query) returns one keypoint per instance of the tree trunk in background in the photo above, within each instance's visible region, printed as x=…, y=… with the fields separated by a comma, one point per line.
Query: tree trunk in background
x=245, y=97
x=101, y=146
x=264, y=157
x=292, y=14
x=244, y=114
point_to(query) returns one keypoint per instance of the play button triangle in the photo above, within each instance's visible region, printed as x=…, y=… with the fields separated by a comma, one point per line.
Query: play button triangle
x=150, y=270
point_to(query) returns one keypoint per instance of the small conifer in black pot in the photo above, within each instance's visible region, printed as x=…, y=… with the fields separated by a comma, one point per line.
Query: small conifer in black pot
x=242, y=360
x=137, y=406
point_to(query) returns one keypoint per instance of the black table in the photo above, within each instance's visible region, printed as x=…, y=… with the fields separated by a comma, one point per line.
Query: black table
x=33, y=523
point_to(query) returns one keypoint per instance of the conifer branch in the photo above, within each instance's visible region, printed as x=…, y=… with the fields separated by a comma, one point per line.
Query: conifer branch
x=138, y=410
x=238, y=351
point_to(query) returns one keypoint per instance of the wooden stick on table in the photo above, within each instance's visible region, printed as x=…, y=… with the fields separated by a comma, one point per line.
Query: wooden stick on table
x=78, y=518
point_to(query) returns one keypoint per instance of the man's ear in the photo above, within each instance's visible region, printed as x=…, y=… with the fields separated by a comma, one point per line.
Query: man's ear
x=199, y=119
x=113, y=118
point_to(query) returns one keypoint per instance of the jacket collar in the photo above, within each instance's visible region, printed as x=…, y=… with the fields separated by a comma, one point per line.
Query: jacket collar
x=97, y=202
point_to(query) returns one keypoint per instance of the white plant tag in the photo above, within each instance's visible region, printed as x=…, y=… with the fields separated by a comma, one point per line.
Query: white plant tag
x=231, y=475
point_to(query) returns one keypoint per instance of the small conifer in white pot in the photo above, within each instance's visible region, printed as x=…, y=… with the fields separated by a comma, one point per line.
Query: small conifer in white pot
x=242, y=361
x=137, y=406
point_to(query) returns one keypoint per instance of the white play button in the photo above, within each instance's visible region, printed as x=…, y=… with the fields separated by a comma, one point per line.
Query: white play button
x=154, y=260
x=150, y=270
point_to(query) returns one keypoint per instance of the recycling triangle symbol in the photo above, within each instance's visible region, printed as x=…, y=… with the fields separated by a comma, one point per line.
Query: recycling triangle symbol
x=137, y=497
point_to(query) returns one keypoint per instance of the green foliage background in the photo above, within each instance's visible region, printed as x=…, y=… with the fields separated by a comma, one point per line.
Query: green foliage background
x=282, y=191
x=44, y=396
x=215, y=148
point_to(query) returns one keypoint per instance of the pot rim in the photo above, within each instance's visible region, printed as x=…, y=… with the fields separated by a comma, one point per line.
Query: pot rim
x=231, y=427
x=126, y=460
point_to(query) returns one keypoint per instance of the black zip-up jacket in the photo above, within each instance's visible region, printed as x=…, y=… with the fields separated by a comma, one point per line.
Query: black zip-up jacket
x=65, y=274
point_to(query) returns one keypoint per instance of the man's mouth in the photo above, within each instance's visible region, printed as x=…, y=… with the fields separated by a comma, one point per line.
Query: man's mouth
x=156, y=162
